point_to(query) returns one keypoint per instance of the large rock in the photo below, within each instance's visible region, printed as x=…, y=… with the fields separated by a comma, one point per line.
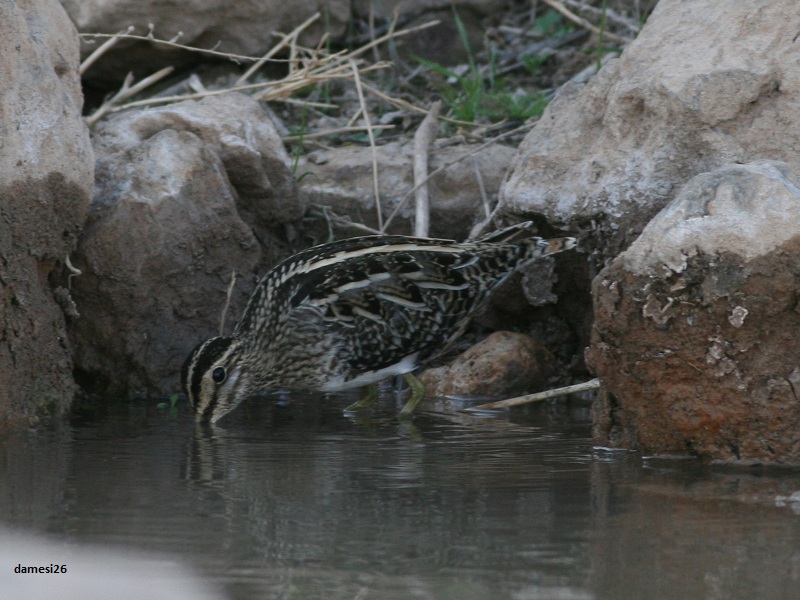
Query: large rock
x=705, y=83
x=185, y=195
x=695, y=335
x=341, y=180
x=46, y=170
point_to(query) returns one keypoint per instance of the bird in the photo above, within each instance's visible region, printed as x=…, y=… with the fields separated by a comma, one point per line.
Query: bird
x=353, y=312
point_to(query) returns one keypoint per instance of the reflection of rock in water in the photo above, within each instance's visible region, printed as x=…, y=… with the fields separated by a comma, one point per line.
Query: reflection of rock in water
x=677, y=530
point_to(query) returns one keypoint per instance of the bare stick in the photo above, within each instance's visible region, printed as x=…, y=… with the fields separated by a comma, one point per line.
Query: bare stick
x=150, y=38
x=291, y=36
x=520, y=400
x=583, y=22
x=477, y=149
x=327, y=132
x=408, y=106
x=102, y=49
x=388, y=36
x=283, y=87
x=424, y=136
x=376, y=56
x=227, y=303
x=482, y=188
x=371, y=135
x=332, y=217
x=610, y=14
x=126, y=91
x=241, y=58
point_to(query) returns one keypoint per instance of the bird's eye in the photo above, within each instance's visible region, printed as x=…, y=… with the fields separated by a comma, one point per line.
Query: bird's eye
x=219, y=374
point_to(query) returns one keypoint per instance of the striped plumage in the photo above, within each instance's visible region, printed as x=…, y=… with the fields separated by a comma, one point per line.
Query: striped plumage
x=353, y=312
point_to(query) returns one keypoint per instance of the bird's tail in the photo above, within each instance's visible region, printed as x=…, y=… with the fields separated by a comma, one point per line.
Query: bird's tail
x=560, y=244
x=537, y=247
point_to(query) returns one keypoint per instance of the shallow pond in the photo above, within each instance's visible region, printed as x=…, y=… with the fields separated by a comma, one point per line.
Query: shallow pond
x=297, y=500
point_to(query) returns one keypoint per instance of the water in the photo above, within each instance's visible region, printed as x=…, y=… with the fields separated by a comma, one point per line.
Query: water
x=299, y=501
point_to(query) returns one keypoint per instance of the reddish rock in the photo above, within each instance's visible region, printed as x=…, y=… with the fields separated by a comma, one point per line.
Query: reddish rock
x=695, y=335
x=504, y=364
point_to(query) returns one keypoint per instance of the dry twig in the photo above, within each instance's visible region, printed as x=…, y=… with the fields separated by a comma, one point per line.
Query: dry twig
x=307, y=67
x=475, y=150
x=555, y=4
x=126, y=91
x=172, y=44
x=330, y=132
x=371, y=135
x=225, y=308
x=487, y=211
x=399, y=103
x=520, y=400
x=424, y=136
x=610, y=14
x=290, y=38
x=102, y=49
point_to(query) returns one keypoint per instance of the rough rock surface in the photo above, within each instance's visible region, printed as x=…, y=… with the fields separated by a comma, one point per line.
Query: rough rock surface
x=504, y=364
x=184, y=196
x=341, y=179
x=706, y=83
x=46, y=170
x=695, y=335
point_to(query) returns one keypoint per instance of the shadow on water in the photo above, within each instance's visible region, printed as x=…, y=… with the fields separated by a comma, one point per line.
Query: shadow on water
x=298, y=500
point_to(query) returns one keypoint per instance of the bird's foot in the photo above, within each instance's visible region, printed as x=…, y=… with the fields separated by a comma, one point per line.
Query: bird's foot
x=365, y=402
x=417, y=394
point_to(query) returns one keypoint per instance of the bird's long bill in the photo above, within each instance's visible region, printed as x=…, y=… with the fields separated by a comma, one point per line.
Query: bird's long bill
x=560, y=244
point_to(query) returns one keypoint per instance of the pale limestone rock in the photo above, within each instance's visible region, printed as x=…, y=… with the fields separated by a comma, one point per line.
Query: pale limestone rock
x=705, y=84
x=185, y=195
x=341, y=180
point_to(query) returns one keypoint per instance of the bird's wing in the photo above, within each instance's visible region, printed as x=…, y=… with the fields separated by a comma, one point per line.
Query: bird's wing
x=387, y=306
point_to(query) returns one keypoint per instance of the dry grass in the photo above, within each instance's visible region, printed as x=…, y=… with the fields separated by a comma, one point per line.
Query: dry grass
x=307, y=68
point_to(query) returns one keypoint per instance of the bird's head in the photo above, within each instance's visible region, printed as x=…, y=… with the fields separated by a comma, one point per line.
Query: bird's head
x=215, y=378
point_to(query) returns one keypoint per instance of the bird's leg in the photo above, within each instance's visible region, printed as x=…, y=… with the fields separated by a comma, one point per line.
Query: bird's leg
x=417, y=394
x=367, y=401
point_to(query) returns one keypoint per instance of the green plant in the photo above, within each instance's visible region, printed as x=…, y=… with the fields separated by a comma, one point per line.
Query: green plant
x=172, y=406
x=300, y=130
x=552, y=24
x=472, y=95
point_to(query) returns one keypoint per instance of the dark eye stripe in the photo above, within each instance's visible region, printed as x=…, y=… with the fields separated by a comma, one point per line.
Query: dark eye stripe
x=199, y=362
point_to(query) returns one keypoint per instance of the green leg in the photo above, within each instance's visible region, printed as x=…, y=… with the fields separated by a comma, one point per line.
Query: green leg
x=417, y=394
x=365, y=402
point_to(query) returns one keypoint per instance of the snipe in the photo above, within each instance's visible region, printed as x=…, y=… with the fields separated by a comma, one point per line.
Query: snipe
x=353, y=312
